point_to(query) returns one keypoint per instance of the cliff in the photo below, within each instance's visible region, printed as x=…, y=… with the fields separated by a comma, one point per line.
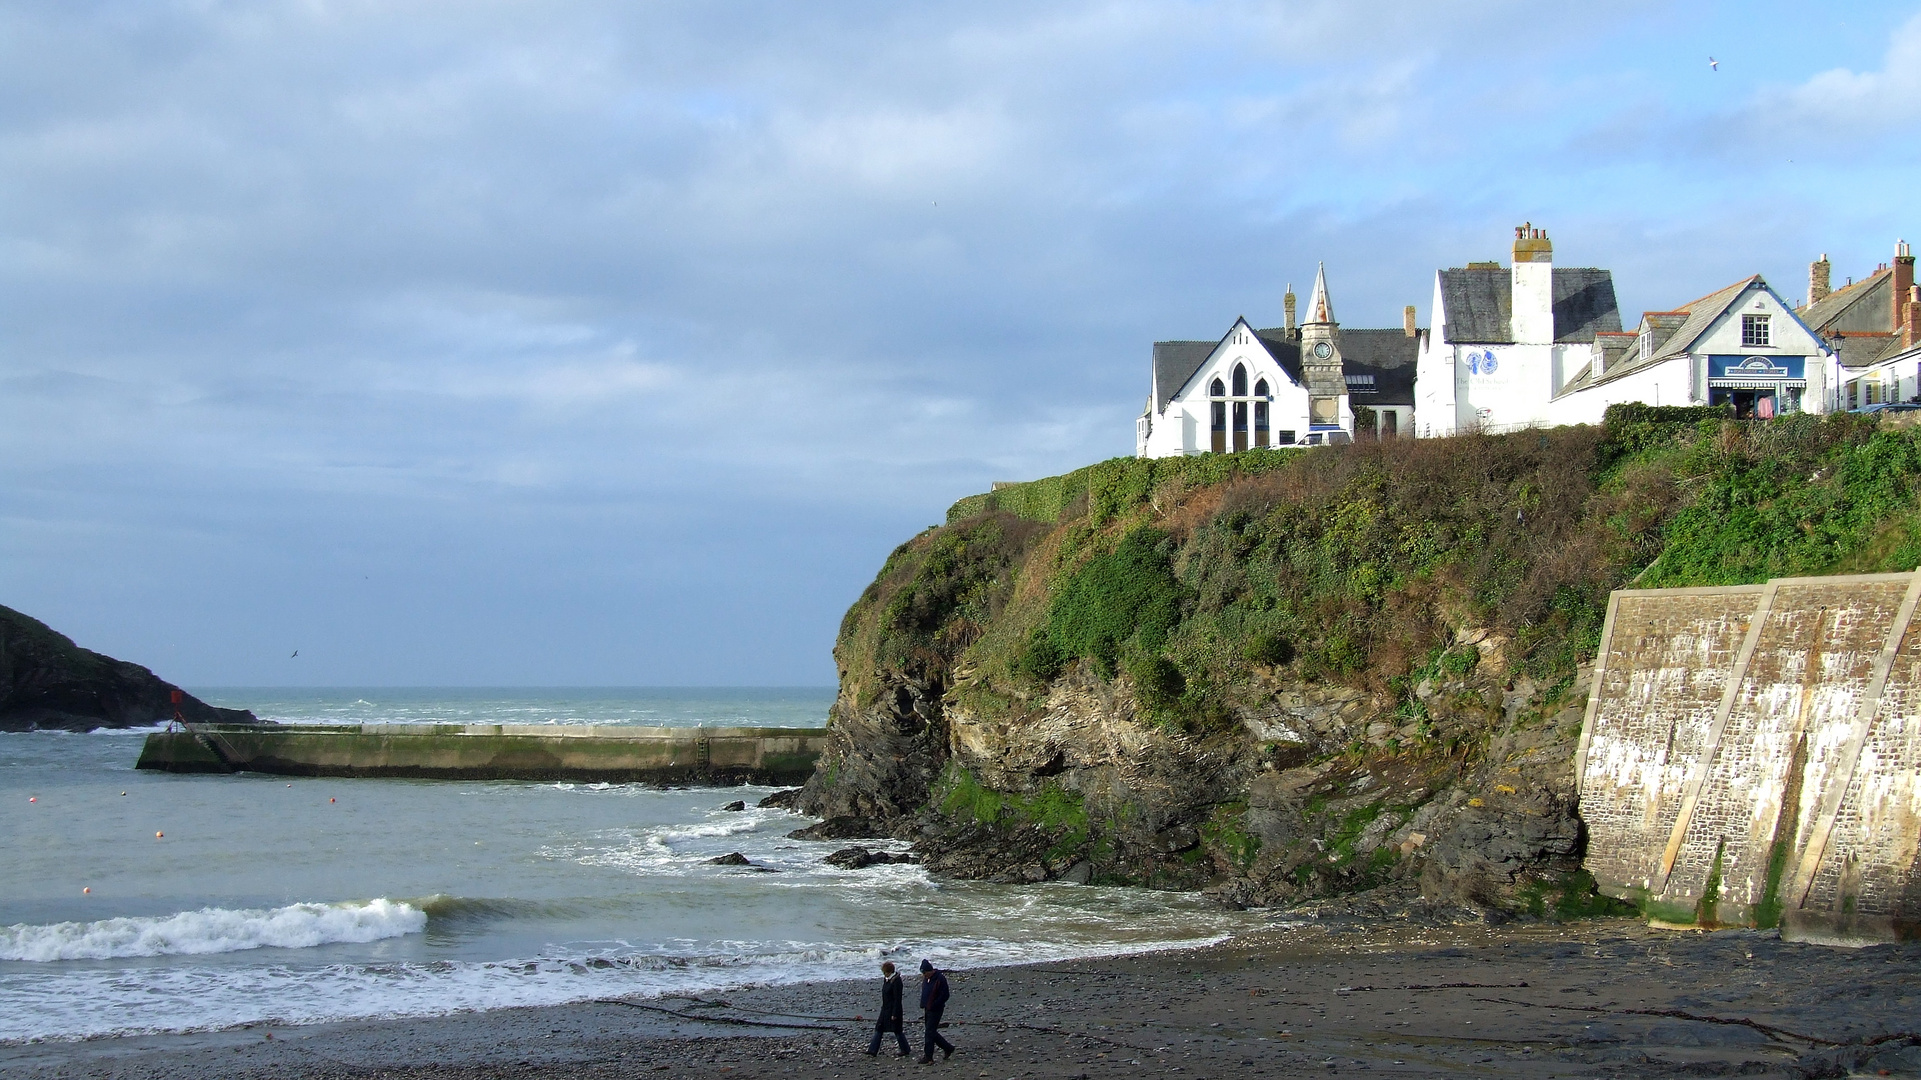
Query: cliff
x=46, y=681
x=1294, y=675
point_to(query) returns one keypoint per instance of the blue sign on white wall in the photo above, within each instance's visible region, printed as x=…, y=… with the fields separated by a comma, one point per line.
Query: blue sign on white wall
x=1759, y=369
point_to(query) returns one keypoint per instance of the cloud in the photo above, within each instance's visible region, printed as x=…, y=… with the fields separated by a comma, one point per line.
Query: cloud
x=664, y=305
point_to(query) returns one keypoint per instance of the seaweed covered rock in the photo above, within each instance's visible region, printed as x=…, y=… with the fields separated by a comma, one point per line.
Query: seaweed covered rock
x=46, y=681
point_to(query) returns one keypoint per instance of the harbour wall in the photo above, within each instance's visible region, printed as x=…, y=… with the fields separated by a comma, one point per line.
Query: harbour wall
x=662, y=755
x=1751, y=756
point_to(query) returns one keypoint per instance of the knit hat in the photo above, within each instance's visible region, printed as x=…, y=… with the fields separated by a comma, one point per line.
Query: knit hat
x=927, y=965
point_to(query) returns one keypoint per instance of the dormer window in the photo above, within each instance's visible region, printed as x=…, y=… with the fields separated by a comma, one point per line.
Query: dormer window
x=1754, y=331
x=1647, y=342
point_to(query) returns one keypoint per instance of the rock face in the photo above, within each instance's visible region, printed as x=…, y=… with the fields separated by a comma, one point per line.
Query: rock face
x=1297, y=677
x=46, y=681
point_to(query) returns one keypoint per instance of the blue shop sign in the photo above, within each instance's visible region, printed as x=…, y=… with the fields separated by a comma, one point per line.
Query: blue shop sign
x=1756, y=369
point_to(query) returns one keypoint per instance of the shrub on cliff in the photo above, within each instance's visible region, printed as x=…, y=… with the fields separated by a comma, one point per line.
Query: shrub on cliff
x=1426, y=599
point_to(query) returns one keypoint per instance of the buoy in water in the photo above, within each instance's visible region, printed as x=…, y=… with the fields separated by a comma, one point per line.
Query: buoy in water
x=123, y=794
x=86, y=891
x=33, y=798
x=330, y=800
x=158, y=835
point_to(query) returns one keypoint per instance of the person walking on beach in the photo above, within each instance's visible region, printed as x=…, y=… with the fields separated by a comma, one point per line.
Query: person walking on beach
x=892, y=1012
x=933, y=1002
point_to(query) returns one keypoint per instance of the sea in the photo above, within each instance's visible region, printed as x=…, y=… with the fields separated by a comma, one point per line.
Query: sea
x=137, y=902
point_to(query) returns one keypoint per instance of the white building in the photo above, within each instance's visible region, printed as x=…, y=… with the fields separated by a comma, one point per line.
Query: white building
x=1742, y=346
x=1292, y=384
x=1504, y=341
x=1871, y=328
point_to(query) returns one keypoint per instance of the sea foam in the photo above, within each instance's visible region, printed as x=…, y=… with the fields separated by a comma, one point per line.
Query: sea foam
x=212, y=930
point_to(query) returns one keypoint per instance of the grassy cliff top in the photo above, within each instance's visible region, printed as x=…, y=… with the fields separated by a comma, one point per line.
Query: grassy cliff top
x=1363, y=564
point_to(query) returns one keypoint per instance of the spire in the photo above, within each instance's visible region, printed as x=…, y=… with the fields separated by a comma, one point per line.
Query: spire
x=1318, y=308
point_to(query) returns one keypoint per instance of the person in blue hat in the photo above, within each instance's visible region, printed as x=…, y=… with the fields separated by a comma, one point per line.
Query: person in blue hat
x=933, y=1002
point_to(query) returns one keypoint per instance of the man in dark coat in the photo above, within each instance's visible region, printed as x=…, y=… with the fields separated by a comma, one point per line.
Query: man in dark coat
x=891, y=1012
x=933, y=1002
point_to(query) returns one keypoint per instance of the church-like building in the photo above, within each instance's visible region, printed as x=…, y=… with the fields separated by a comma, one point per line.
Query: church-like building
x=1301, y=383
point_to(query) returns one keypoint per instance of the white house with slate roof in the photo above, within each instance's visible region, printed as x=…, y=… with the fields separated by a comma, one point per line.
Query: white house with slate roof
x=1282, y=386
x=1742, y=346
x=1506, y=340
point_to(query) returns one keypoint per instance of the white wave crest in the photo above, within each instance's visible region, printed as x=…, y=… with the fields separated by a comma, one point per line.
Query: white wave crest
x=212, y=930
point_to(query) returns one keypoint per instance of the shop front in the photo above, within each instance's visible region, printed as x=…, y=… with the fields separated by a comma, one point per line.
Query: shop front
x=1759, y=387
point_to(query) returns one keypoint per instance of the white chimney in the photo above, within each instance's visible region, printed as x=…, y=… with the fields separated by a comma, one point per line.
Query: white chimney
x=1532, y=320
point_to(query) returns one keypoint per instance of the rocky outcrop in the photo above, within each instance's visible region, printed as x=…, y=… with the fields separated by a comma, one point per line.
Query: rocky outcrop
x=48, y=682
x=1301, y=677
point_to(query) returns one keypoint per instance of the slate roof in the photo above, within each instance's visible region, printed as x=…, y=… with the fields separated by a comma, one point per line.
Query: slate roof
x=1858, y=349
x=1866, y=306
x=1386, y=355
x=1479, y=304
x=1175, y=362
x=1674, y=332
x=1285, y=353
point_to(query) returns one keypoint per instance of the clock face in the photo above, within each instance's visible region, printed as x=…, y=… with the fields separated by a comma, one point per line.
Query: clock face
x=1322, y=350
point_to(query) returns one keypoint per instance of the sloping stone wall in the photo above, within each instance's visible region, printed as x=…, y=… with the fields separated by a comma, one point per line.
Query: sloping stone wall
x=1750, y=756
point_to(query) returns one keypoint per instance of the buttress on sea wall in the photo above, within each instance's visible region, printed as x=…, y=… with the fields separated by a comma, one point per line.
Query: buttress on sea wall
x=1751, y=756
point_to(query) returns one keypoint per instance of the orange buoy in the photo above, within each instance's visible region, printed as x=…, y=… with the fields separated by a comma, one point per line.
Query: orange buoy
x=86, y=891
x=158, y=835
x=32, y=798
x=330, y=800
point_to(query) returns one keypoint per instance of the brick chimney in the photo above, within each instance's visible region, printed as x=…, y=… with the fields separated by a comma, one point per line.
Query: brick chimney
x=1903, y=281
x=1818, y=271
x=1407, y=320
x=1287, y=303
x=1909, y=326
x=1533, y=287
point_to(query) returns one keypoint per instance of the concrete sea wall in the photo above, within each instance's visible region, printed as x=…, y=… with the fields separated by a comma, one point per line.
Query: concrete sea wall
x=731, y=755
x=1752, y=756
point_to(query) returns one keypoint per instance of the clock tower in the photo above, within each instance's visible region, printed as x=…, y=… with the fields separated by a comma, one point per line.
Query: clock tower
x=1321, y=359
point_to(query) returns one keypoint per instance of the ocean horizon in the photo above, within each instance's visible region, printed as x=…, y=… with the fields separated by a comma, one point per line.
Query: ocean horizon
x=152, y=902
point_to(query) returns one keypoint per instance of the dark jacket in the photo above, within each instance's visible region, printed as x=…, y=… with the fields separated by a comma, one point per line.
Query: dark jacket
x=890, y=1006
x=933, y=991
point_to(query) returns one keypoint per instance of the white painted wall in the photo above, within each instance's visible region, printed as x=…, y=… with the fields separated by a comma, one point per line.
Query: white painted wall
x=1185, y=426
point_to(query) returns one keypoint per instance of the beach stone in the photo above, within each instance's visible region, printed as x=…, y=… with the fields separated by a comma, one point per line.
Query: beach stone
x=856, y=858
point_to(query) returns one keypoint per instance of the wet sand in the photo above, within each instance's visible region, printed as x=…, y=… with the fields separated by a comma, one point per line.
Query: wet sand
x=1604, y=998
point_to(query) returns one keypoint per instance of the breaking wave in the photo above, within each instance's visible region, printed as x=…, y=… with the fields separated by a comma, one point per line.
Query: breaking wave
x=212, y=930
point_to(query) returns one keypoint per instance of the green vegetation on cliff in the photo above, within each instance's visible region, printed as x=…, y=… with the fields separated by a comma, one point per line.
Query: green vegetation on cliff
x=1301, y=672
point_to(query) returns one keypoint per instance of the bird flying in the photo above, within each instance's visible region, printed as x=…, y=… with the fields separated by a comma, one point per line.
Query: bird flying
x=1713, y=64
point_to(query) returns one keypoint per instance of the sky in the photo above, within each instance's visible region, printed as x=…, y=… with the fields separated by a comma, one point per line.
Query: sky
x=615, y=343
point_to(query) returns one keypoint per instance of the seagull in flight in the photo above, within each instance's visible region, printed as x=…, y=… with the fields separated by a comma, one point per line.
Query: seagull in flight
x=296, y=652
x=1713, y=64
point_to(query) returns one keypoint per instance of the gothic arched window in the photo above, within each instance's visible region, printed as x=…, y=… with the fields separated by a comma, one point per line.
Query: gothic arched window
x=1217, y=390
x=1240, y=381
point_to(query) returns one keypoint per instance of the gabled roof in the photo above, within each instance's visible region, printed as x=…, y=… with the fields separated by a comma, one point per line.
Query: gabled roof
x=1175, y=362
x=1865, y=306
x=1478, y=304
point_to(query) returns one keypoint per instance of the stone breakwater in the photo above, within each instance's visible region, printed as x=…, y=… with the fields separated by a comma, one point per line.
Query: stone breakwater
x=1751, y=756
x=663, y=755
